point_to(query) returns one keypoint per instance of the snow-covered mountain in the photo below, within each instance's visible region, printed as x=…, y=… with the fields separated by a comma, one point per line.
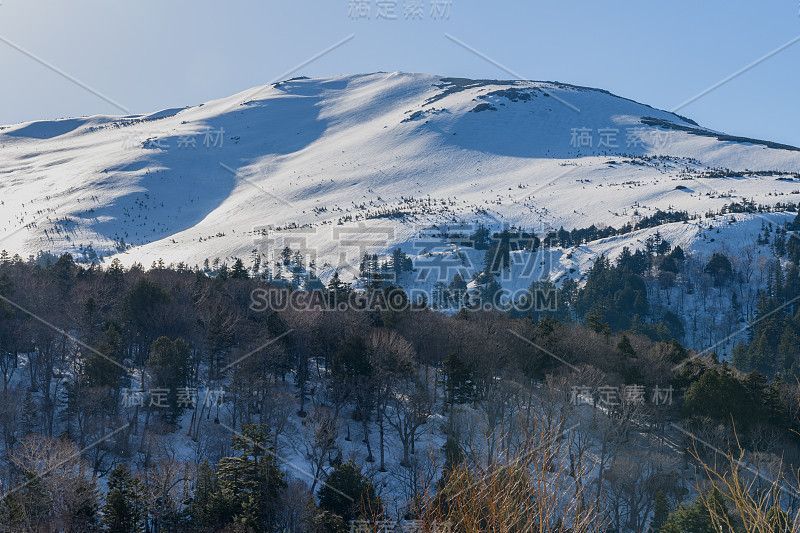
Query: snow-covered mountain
x=343, y=165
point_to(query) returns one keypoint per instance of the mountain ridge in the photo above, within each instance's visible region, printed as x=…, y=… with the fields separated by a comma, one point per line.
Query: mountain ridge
x=195, y=183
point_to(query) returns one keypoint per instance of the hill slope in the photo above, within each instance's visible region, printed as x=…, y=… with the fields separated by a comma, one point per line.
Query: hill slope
x=339, y=166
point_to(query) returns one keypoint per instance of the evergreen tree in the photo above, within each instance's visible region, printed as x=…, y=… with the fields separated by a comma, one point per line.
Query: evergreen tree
x=674, y=324
x=169, y=369
x=789, y=348
x=793, y=249
x=669, y=265
x=776, y=290
x=239, y=271
x=498, y=256
x=719, y=267
x=123, y=511
x=459, y=383
x=761, y=357
x=625, y=347
x=696, y=518
x=791, y=287
x=27, y=508
x=660, y=512
x=779, y=244
x=400, y=263
x=352, y=359
x=795, y=225
x=99, y=369
x=719, y=395
x=453, y=456
x=458, y=290
x=286, y=256
x=251, y=484
x=490, y=294
x=617, y=293
x=596, y=322
x=63, y=271
x=440, y=295
x=84, y=509
x=768, y=321
x=349, y=494
x=480, y=238
x=208, y=510
x=338, y=291
x=143, y=309
x=677, y=254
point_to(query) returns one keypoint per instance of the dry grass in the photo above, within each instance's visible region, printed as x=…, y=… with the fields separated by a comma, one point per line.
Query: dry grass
x=757, y=502
x=525, y=489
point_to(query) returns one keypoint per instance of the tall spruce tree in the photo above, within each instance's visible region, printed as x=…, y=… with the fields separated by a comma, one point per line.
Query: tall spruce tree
x=124, y=510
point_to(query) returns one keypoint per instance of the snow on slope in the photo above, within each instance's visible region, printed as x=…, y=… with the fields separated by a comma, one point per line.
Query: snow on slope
x=334, y=156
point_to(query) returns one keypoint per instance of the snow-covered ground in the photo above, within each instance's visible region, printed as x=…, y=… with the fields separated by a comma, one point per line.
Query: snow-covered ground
x=310, y=153
x=338, y=166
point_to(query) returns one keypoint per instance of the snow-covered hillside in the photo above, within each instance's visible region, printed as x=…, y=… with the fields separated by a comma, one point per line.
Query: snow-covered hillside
x=339, y=166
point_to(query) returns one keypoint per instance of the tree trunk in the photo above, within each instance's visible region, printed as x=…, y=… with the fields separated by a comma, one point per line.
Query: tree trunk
x=380, y=429
x=365, y=422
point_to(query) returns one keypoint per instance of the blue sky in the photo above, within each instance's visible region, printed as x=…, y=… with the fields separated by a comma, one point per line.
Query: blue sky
x=147, y=55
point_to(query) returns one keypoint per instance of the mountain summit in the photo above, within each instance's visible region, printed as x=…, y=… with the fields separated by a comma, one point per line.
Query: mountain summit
x=323, y=157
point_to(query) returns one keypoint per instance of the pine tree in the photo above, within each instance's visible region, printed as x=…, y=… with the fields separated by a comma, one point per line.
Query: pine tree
x=286, y=256
x=723, y=398
x=761, y=356
x=793, y=248
x=352, y=359
x=480, y=238
x=677, y=254
x=459, y=385
x=99, y=369
x=30, y=413
x=124, y=508
x=116, y=271
x=400, y=263
x=209, y=510
x=625, y=347
x=338, y=291
x=239, y=271
x=693, y=518
x=349, y=494
x=63, y=271
x=85, y=507
x=251, y=483
x=458, y=289
x=719, y=268
x=669, y=265
x=624, y=257
x=595, y=322
x=491, y=293
x=795, y=225
x=169, y=369
x=141, y=305
x=788, y=348
x=777, y=281
x=660, y=512
x=497, y=257
x=779, y=244
x=26, y=509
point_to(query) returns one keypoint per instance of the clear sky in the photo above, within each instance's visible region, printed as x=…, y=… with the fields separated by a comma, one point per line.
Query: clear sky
x=147, y=55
